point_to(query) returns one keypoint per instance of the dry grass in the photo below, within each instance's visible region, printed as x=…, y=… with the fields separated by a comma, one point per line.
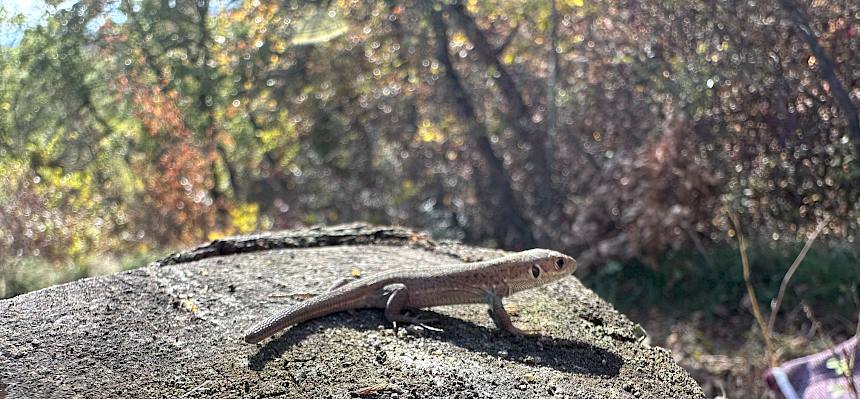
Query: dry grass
x=726, y=356
x=703, y=312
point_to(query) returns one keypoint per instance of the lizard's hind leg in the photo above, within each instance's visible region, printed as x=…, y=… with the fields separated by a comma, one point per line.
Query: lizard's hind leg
x=398, y=295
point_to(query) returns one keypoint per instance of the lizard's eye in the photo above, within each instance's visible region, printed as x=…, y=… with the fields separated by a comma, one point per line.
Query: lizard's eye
x=535, y=271
x=559, y=263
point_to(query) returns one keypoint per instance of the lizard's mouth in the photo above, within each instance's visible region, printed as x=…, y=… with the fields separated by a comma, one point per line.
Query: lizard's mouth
x=531, y=282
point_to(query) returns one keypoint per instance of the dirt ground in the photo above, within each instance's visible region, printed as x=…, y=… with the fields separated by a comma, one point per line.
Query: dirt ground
x=174, y=330
x=723, y=357
x=726, y=356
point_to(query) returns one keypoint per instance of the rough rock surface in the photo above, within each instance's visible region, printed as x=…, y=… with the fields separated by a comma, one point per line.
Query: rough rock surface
x=173, y=329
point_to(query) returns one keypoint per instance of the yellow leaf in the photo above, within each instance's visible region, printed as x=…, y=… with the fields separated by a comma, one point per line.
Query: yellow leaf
x=458, y=39
x=214, y=235
x=429, y=133
x=189, y=305
x=244, y=217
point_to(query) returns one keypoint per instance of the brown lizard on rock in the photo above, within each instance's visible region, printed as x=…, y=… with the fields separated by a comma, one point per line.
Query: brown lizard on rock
x=413, y=288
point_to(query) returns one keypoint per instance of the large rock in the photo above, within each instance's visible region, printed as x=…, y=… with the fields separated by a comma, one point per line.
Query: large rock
x=174, y=329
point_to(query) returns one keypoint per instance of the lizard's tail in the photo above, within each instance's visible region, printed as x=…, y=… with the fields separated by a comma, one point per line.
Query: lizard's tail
x=318, y=306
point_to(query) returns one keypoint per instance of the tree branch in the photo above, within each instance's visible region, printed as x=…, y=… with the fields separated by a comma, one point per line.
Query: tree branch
x=552, y=78
x=501, y=48
x=510, y=216
x=827, y=70
x=518, y=115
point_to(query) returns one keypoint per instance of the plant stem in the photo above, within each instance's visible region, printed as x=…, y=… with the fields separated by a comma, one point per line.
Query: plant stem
x=742, y=247
x=774, y=306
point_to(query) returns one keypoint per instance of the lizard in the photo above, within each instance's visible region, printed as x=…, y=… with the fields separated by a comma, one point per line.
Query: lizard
x=401, y=289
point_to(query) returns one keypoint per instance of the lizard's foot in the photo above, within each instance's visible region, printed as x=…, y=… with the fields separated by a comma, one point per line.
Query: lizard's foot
x=518, y=332
x=416, y=320
x=504, y=323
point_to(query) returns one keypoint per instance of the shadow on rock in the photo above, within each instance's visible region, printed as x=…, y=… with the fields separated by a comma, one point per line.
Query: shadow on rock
x=562, y=354
x=569, y=356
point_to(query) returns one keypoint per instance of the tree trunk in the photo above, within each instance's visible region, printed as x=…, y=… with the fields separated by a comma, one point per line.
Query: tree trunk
x=511, y=226
x=552, y=80
x=518, y=114
x=825, y=65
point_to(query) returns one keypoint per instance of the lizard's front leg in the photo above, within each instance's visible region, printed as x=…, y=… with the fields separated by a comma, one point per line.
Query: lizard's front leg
x=500, y=316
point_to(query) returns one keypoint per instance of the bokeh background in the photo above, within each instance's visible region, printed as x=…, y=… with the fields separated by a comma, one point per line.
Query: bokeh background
x=627, y=133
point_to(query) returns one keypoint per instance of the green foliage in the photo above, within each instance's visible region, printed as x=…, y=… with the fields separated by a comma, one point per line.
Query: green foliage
x=149, y=123
x=29, y=273
x=32, y=273
x=712, y=282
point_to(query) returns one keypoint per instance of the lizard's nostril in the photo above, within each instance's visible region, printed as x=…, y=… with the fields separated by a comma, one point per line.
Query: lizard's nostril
x=559, y=263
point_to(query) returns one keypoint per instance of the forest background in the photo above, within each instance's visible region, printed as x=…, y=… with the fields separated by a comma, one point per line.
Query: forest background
x=627, y=133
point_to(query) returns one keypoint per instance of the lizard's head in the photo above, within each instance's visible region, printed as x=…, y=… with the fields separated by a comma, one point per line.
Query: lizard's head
x=537, y=267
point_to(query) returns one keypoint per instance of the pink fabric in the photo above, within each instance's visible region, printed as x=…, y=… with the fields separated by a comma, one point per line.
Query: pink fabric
x=810, y=377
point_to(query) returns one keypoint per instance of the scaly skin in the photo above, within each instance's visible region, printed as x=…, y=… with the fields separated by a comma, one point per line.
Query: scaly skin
x=412, y=288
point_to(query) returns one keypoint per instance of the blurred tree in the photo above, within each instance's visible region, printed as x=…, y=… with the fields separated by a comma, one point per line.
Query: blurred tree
x=615, y=129
x=804, y=27
x=508, y=221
